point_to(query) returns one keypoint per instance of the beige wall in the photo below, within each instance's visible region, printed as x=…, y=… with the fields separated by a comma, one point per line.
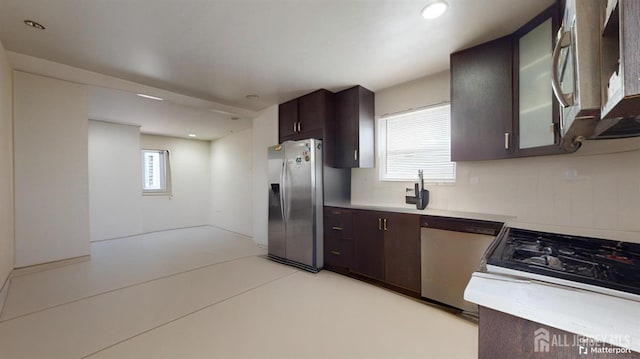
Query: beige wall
x=597, y=187
x=265, y=134
x=232, y=182
x=51, y=169
x=190, y=162
x=6, y=169
x=115, y=187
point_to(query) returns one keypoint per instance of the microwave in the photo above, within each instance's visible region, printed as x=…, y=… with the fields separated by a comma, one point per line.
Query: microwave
x=575, y=74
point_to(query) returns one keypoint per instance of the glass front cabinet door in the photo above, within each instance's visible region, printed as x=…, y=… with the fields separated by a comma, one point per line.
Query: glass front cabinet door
x=535, y=108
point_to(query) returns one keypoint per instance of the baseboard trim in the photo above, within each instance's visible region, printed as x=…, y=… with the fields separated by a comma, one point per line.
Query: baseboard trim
x=230, y=231
x=150, y=232
x=47, y=266
x=4, y=291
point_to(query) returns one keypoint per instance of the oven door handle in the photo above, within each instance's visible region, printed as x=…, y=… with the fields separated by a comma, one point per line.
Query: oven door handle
x=564, y=40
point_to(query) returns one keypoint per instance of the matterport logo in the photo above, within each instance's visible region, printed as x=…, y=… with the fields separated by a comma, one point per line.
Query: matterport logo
x=544, y=341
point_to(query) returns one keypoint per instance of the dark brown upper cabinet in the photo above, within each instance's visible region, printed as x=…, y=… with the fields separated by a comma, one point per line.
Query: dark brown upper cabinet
x=306, y=116
x=353, y=128
x=482, y=101
x=502, y=105
x=288, y=119
x=620, y=68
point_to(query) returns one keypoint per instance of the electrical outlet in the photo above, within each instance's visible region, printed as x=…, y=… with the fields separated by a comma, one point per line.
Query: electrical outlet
x=571, y=174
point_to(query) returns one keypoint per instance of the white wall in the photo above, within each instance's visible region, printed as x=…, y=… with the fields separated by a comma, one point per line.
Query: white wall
x=590, y=188
x=265, y=134
x=6, y=169
x=190, y=204
x=115, y=190
x=232, y=182
x=51, y=170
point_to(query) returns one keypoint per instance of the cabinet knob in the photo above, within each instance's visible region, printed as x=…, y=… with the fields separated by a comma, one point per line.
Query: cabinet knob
x=355, y=155
x=385, y=224
x=299, y=127
x=506, y=140
x=294, y=127
x=335, y=253
x=379, y=224
x=336, y=228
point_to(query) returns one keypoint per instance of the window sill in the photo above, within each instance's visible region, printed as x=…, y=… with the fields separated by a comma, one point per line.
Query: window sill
x=157, y=194
x=414, y=180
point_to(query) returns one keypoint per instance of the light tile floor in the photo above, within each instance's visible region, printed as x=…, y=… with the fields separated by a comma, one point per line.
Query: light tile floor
x=206, y=293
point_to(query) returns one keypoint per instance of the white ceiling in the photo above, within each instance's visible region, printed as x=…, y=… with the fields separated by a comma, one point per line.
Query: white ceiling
x=223, y=50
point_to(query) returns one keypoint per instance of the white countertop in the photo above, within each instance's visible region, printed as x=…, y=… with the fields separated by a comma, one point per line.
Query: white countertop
x=511, y=221
x=596, y=315
x=411, y=209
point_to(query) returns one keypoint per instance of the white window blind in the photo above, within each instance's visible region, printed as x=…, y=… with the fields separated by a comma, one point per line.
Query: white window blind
x=417, y=140
x=155, y=171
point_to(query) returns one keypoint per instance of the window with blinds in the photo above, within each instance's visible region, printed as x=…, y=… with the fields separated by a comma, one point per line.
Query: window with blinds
x=417, y=140
x=155, y=168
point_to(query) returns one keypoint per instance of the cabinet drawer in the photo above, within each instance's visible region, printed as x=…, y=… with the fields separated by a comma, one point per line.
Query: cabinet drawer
x=338, y=223
x=338, y=252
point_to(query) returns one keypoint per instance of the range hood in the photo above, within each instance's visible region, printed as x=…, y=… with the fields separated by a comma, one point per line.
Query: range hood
x=617, y=128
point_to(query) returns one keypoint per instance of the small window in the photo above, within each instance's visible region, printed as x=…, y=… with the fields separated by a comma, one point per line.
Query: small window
x=417, y=140
x=155, y=172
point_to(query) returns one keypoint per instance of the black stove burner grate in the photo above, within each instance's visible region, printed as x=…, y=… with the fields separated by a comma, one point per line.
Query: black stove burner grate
x=600, y=262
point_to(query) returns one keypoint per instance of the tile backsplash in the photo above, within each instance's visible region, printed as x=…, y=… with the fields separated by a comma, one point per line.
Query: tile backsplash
x=587, y=189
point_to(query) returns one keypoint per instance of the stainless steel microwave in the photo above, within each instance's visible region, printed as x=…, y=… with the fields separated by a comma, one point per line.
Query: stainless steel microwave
x=576, y=71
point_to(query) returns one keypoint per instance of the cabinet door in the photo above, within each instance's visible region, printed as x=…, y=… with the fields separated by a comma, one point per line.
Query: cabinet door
x=368, y=256
x=535, y=107
x=620, y=67
x=354, y=128
x=402, y=250
x=482, y=101
x=313, y=111
x=287, y=120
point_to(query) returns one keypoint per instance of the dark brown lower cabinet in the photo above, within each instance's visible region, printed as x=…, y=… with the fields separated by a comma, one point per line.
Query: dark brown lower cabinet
x=338, y=253
x=502, y=335
x=402, y=251
x=338, y=239
x=368, y=244
x=387, y=247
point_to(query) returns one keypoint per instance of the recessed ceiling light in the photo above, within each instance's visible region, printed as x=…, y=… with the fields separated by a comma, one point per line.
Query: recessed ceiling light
x=221, y=112
x=434, y=10
x=252, y=97
x=34, y=24
x=148, y=96
x=235, y=118
x=192, y=135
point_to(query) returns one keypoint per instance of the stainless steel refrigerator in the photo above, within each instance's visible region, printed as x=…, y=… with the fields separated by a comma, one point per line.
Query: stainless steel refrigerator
x=296, y=183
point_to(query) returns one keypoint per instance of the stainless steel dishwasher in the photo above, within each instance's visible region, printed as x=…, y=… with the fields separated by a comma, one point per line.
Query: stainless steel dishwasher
x=451, y=249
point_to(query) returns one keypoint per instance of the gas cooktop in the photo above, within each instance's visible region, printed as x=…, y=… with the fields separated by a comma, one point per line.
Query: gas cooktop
x=599, y=262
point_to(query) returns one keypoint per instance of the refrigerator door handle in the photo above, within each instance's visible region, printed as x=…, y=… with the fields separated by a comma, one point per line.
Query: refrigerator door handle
x=282, y=190
x=285, y=189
